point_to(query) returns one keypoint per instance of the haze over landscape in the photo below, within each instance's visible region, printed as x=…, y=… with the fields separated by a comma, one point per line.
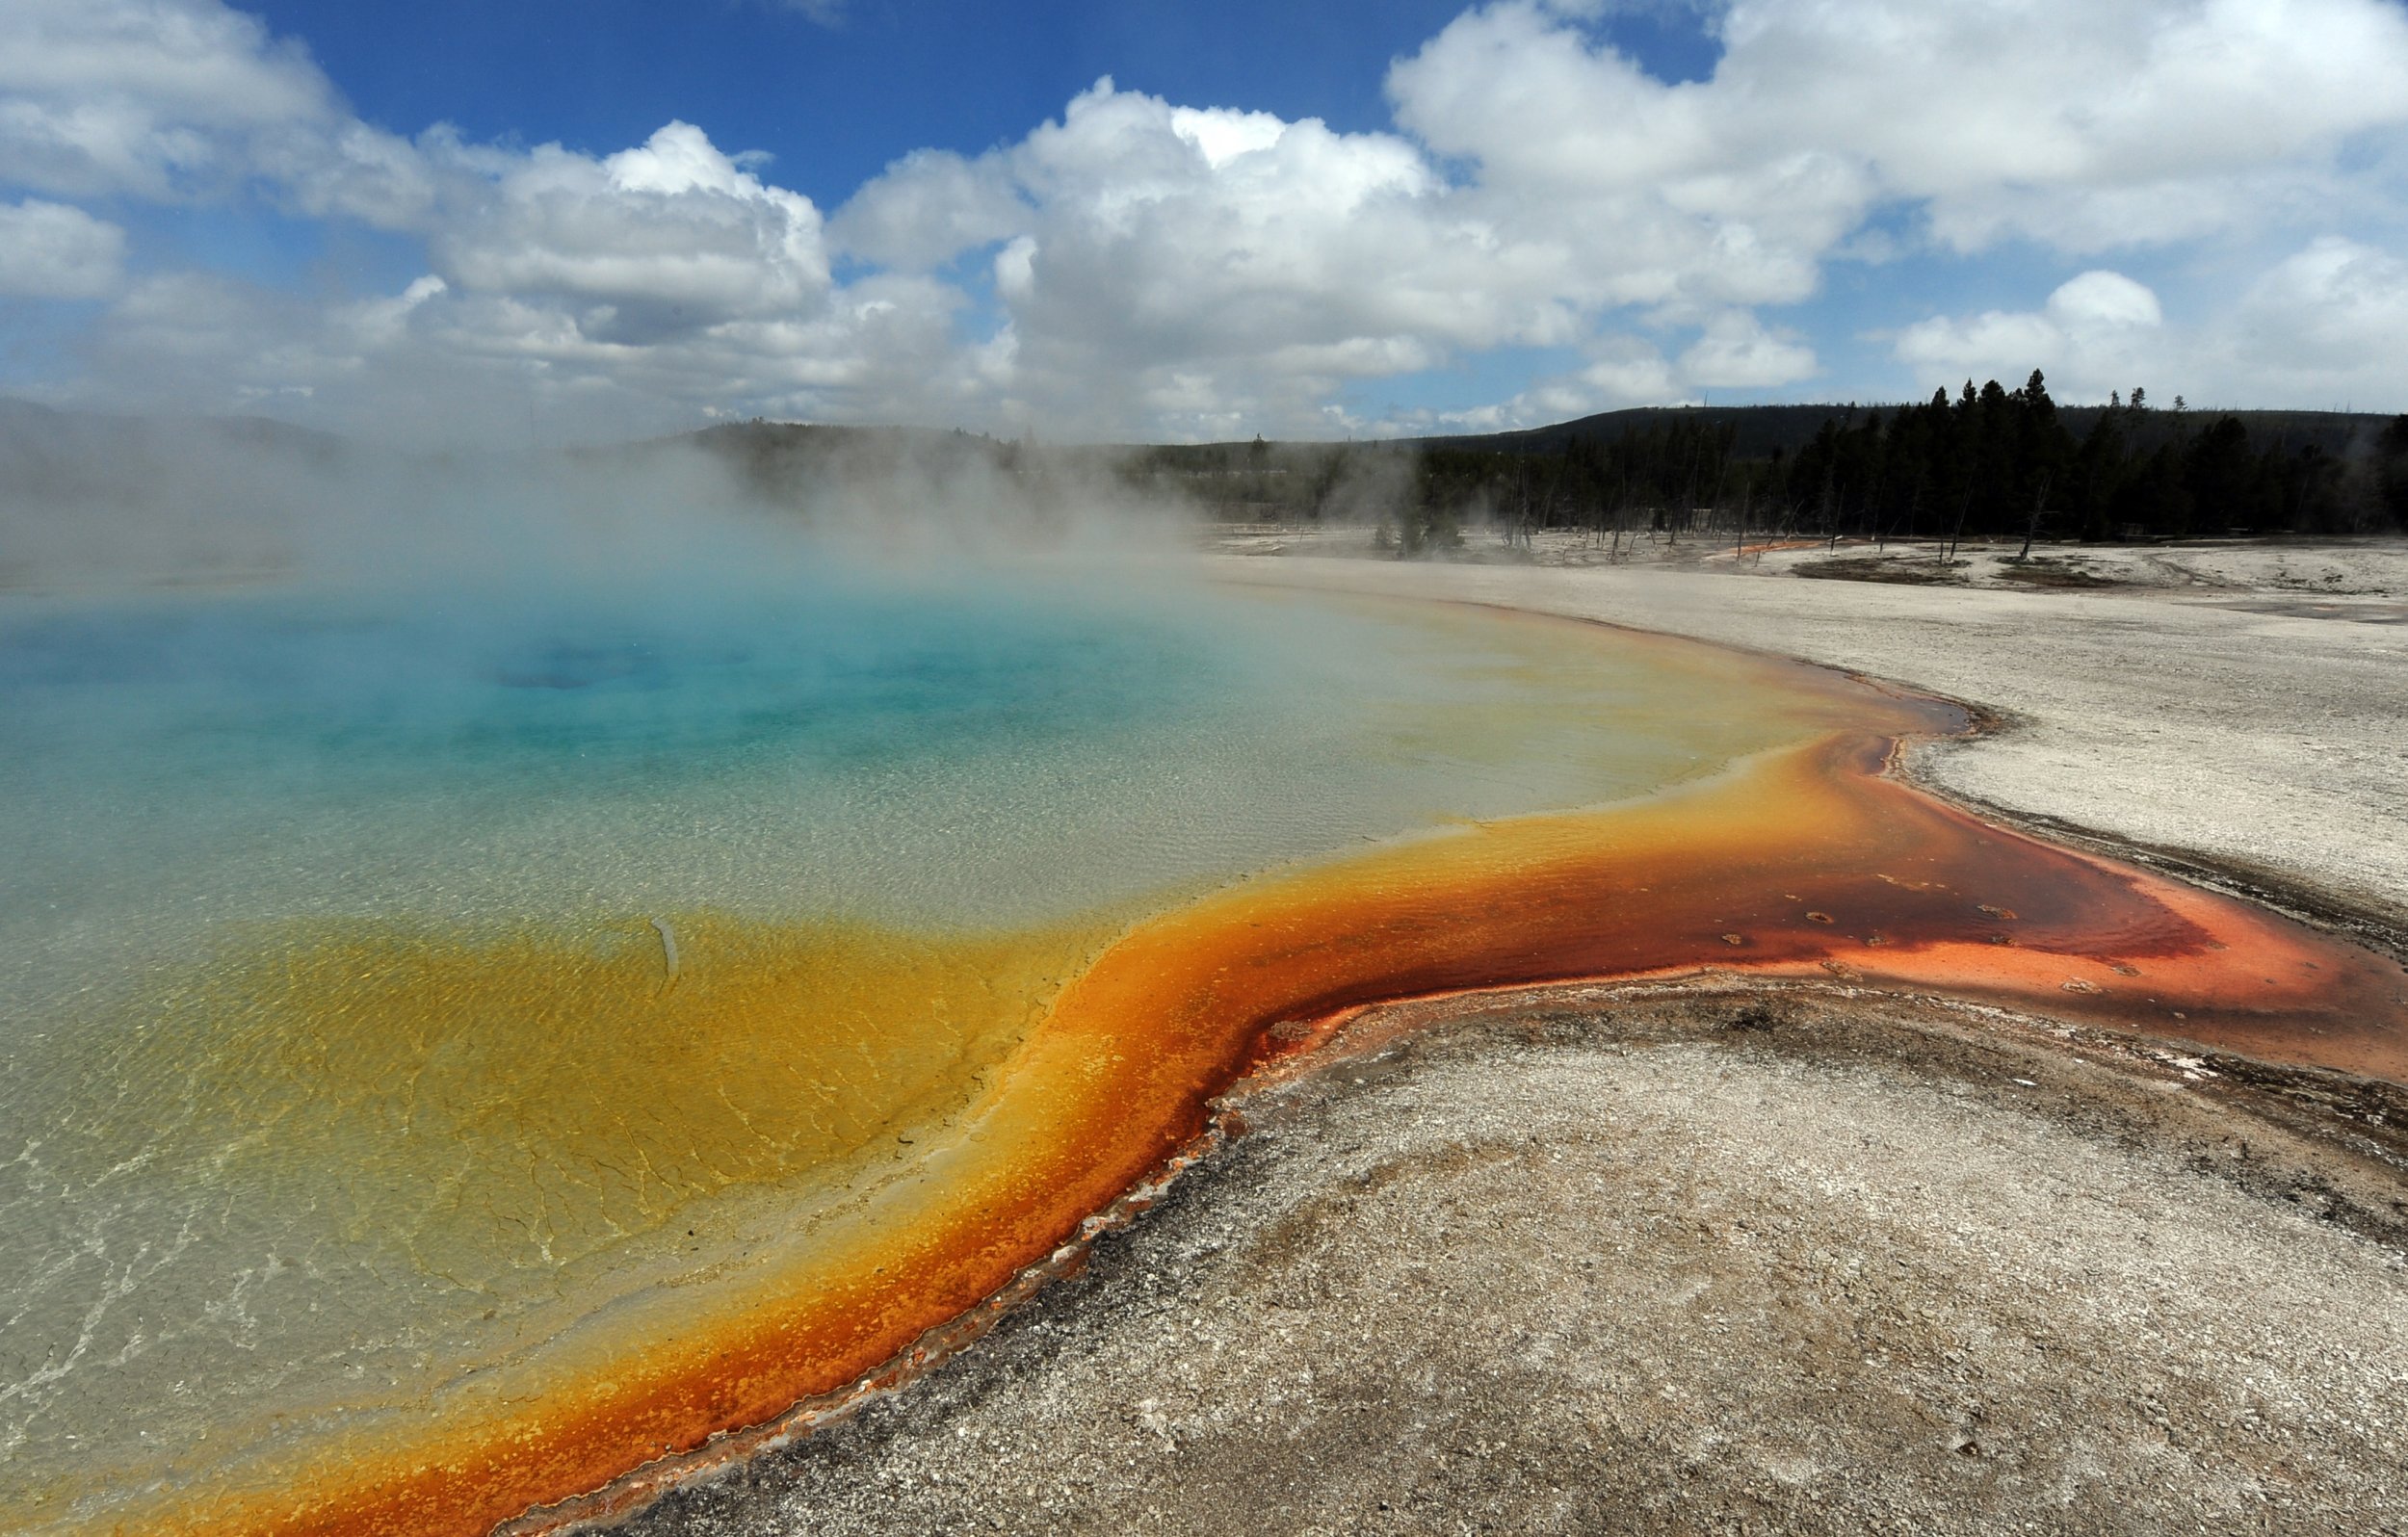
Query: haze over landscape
x=1141, y=221
x=882, y=766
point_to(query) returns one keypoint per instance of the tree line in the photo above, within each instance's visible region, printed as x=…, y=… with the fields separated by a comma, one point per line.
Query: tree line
x=1983, y=463
x=1993, y=461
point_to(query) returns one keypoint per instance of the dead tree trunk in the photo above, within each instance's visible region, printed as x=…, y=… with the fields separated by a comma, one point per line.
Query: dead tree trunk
x=2033, y=525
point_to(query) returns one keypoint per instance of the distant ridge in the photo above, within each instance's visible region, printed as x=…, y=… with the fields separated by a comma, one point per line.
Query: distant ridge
x=30, y=429
x=27, y=425
x=1759, y=429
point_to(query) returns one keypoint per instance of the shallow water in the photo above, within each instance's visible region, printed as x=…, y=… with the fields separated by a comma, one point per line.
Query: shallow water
x=461, y=1050
x=347, y=1065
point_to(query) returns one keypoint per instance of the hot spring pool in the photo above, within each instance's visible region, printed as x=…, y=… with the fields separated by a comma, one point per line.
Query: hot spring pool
x=462, y=1045
x=465, y=1044
x=353, y=1106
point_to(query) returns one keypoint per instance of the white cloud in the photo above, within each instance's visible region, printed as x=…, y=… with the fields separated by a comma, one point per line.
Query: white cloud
x=1162, y=268
x=440, y=361
x=1621, y=371
x=1189, y=269
x=50, y=251
x=351, y=170
x=661, y=237
x=2328, y=326
x=145, y=96
x=2086, y=123
x=1989, y=342
x=2097, y=332
x=1738, y=352
x=170, y=100
x=2325, y=326
x=927, y=208
x=1733, y=350
x=2105, y=302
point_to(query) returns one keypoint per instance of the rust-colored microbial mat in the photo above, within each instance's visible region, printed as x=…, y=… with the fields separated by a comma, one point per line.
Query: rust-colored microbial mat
x=1081, y=1058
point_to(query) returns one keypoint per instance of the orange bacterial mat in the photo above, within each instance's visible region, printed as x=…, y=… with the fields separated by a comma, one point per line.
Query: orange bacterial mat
x=1804, y=861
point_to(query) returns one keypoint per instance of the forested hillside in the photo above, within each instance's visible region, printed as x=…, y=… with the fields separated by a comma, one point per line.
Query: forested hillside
x=1985, y=462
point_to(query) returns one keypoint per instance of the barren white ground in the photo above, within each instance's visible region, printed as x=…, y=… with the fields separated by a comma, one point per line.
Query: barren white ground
x=1790, y=1263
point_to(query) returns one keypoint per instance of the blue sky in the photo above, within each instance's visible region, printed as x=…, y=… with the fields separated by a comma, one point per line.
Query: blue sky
x=1148, y=219
x=834, y=103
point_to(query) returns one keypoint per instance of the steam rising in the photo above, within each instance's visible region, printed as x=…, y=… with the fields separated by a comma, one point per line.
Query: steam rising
x=463, y=832
x=108, y=504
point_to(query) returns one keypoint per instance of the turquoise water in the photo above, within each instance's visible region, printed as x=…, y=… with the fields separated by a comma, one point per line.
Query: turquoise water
x=970, y=752
x=798, y=742
x=218, y=738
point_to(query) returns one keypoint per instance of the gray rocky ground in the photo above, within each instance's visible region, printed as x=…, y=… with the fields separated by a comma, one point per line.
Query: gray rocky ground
x=1761, y=1261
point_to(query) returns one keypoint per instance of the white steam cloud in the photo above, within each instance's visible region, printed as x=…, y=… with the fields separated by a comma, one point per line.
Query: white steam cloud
x=110, y=505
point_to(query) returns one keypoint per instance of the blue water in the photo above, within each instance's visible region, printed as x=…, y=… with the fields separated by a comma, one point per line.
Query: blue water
x=971, y=751
x=181, y=775
x=615, y=687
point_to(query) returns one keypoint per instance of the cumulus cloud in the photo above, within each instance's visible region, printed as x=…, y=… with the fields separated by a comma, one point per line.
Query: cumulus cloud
x=1268, y=264
x=927, y=208
x=2323, y=328
x=176, y=100
x=1201, y=268
x=665, y=237
x=1144, y=266
x=2327, y=325
x=1738, y=352
x=50, y=251
x=1625, y=180
x=1212, y=266
x=145, y=96
x=439, y=362
x=1619, y=372
x=2097, y=332
x=2085, y=124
